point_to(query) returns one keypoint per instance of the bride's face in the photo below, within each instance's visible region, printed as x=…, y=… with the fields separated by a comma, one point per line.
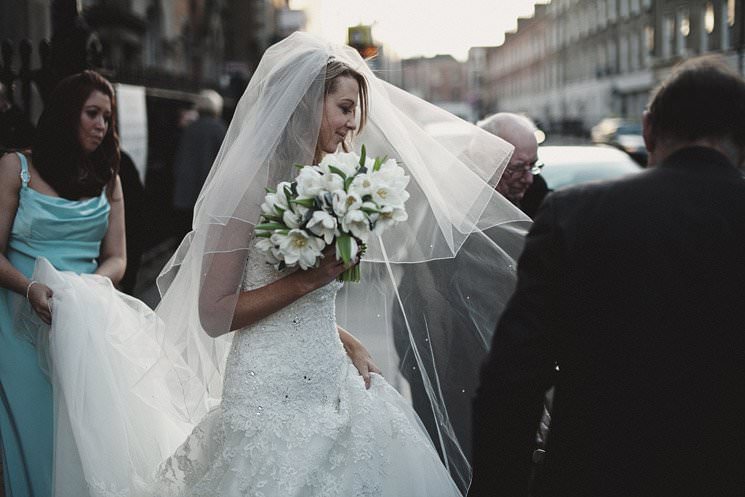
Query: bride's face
x=339, y=108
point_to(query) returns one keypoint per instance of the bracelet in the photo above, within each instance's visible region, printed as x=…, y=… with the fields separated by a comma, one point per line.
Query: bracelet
x=29, y=287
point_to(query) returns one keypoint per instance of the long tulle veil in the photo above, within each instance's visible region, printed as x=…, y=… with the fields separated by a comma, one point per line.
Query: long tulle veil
x=432, y=287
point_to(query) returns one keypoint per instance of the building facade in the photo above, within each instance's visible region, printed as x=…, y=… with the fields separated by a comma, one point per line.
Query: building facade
x=575, y=62
x=441, y=80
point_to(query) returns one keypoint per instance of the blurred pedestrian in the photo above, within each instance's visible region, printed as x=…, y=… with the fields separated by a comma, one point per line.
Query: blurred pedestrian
x=137, y=220
x=521, y=182
x=634, y=289
x=16, y=131
x=62, y=202
x=198, y=148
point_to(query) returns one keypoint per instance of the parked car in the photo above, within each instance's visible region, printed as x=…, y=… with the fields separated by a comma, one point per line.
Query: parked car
x=622, y=134
x=571, y=165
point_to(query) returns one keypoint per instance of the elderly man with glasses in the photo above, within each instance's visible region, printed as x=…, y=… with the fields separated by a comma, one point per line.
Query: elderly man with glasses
x=520, y=183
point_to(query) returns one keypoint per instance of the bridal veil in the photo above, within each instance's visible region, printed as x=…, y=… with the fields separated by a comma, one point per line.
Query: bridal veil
x=432, y=287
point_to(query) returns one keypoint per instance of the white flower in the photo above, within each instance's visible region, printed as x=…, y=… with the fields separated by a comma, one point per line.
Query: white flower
x=362, y=184
x=323, y=225
x=348, y=163
x=390, y=164
x=299, y=247
x=344, y=202
x=357, y=224
x=371, y=209
x=388, y=216
x=293, y=219
x=389, y=184
x=267, y=247
x=331, y=182
x=309, y=182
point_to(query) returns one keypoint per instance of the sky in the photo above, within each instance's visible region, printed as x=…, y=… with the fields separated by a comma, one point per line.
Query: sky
x=414, y=28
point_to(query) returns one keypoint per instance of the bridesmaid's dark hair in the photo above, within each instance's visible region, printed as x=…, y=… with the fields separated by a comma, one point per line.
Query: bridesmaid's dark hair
x=56, y=150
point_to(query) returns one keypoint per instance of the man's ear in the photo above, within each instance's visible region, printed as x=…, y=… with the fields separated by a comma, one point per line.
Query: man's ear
x=649, y=140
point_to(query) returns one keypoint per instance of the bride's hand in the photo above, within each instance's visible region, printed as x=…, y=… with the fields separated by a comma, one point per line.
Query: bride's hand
x=363, y=362
x=327, y=271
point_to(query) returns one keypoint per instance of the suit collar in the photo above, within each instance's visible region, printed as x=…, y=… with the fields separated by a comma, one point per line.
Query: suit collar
x=701, y=159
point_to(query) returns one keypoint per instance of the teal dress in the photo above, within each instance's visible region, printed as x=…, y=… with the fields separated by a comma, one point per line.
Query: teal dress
x=68, y=233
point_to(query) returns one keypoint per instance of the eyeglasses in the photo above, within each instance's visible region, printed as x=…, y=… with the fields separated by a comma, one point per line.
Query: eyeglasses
x=520, y=169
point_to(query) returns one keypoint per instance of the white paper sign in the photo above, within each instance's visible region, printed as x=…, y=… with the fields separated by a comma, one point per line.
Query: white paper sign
x=132, y=123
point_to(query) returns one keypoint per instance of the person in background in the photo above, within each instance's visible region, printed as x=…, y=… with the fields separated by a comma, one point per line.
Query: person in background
x=521, y=182
x=633, y=288
x=16, y=132
x=197, y=150
x=63, y=202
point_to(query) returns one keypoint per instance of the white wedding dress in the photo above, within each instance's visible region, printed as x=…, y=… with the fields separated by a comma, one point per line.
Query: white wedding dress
x=295, y=418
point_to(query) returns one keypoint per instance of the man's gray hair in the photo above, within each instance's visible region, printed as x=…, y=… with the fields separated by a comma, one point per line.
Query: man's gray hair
x=496, y=123
x=209, y=102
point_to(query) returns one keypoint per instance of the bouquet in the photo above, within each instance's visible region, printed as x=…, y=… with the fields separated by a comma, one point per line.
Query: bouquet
x=342, y=200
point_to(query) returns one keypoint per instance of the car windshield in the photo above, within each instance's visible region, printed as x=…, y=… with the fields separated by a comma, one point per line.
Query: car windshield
x=571, y=174
x=629, y=129
x=573, y=165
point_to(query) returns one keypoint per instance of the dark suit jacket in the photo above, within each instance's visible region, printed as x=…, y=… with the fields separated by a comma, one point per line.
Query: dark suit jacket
x=636, y=290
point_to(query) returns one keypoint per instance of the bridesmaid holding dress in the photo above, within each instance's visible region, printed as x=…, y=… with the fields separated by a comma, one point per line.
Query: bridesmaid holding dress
x=63, y=201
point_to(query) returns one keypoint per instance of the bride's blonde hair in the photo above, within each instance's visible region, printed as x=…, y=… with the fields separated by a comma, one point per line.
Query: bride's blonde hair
x=336, y=69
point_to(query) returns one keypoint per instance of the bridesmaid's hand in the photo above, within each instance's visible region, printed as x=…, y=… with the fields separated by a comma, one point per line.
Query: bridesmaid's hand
x=363, y=362
x=40, y=298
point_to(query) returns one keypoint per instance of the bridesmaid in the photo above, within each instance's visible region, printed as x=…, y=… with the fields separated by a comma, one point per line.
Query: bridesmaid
x=64, y=202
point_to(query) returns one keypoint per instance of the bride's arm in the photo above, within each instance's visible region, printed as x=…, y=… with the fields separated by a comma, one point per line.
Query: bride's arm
x=359, y=355
x=254, y=305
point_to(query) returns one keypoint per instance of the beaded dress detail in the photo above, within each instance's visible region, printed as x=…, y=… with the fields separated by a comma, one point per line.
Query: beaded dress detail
x=296, y=419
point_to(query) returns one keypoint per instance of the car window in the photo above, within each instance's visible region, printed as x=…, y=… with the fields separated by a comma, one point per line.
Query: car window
x=562, y=175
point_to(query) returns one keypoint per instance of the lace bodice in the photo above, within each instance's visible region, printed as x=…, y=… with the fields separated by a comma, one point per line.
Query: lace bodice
x=297, y=347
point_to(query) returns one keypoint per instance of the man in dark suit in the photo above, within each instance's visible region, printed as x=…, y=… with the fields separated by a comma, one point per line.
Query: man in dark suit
x=630, y=302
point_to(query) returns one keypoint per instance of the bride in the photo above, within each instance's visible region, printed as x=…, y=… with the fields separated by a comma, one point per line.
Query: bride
x=241, y=382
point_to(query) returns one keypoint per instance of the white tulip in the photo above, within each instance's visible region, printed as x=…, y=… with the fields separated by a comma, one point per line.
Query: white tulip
x=323, y=225
x=309, y=182
x=343, y=202
x=363, y=184
x=356, y=223
x=294, y=219
x=298, y=247
x=389, y=216
x=266, y=246
x=348, y=163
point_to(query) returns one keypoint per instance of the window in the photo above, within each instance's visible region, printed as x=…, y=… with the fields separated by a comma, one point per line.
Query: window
x=668, y=34
x=730, y=13
x=612, y=59
x=634, y=53
x=623, y=55
x=683, y=19
x=648, y=44
x=709, y=17
x=705, y=27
